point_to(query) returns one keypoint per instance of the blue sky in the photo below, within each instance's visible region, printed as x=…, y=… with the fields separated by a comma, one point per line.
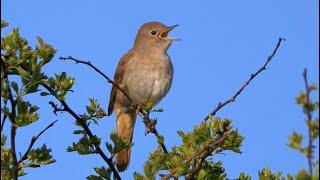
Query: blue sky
x=222, y=43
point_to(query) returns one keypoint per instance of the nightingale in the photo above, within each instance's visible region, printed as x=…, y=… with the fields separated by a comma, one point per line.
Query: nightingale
x=145, y=73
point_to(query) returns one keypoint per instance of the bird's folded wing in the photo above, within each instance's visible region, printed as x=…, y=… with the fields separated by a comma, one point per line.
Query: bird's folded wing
x=118, y=78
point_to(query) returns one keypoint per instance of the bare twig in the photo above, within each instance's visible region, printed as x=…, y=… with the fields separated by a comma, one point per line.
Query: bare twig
x=100, y=72
x=150, y=125
x=83, y=124
x=246, y=83
x=309, y=119
x=33, y=140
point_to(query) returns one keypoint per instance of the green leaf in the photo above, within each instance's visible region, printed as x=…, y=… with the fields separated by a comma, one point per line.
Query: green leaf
x=138, y=176
x=95, y=112
x=244, y=176
x=61, y=84
x=40, y=156
x=94, y=177
x=3, y=139
x=314, y=127
x=109, y=147
x=44, y=51
x=295, y=141
x=303, y=174
x=103, y=172
x=23, y=72
x=21, y=172
x=85, y=145
x=26, y=113
x=79, y=132
x=181, y=134
x=211, y=170
x=267, y=174
x=4, y=24
x=44, y=94
x=158, y=110
x=155, y=163
x=14, y=85
x=120, y=144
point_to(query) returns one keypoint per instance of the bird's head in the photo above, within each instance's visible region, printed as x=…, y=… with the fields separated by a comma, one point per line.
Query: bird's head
x=154, y=36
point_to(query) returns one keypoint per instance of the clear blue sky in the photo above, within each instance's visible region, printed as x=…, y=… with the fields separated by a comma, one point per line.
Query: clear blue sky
x=222, y=43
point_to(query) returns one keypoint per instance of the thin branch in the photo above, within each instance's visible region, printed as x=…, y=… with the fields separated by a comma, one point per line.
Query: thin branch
x=97, y=70
x=309, y=119
x=169, y=175
x=13, y=137
x=12, y=117
x=151, y=128
x=150, y=125
x=206, y=151
x=86, y=128
x=4, y=117
x=217, y=140
x=197, y=168
x=5, y=74
x=56, y=108
x=246, y=83
x=33, y=140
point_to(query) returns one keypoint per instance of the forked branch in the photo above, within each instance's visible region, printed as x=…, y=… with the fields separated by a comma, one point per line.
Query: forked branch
x=33, y=140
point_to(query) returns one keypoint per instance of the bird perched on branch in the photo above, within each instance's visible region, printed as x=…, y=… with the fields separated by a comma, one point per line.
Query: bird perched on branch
x=145, y=74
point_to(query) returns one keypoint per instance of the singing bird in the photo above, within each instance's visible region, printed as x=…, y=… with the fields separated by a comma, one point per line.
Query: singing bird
x=145, y=73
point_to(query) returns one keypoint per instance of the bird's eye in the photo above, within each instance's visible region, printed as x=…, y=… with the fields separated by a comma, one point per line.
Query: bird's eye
x=153, y=32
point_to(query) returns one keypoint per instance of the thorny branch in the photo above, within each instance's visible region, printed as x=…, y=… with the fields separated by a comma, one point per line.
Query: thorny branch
x=83, y=124
x=149, y=123
x=309, y=119
x=33, y=140
x=246, y=83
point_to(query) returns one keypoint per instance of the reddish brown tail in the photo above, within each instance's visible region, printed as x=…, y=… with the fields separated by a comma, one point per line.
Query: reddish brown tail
x=125, y=127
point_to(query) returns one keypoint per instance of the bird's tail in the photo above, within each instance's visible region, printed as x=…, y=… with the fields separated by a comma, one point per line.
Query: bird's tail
x=125, y=127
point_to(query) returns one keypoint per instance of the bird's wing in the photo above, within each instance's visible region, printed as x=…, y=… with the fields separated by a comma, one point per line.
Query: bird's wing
x=118, y=78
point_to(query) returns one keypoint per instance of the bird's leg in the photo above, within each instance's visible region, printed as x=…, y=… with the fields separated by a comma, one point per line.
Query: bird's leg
x=136, y=107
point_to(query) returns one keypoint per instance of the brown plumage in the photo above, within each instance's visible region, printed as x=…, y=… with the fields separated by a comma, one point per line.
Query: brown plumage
x=145, y=73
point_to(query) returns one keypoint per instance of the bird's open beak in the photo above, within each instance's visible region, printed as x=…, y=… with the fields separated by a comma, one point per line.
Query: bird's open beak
x=166, y=32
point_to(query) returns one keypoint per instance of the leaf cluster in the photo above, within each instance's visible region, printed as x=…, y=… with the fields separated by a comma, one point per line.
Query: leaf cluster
x=309, y=108
x=191, y=158
x=21, y=75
